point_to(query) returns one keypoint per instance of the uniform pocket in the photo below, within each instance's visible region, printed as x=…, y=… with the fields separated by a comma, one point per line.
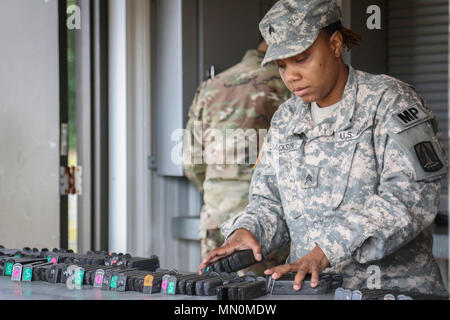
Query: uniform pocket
x=306, y=192
x=288, y=176
x=345, y=152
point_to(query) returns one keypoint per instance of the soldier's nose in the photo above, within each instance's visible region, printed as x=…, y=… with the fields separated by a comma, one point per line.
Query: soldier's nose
x=291, y=75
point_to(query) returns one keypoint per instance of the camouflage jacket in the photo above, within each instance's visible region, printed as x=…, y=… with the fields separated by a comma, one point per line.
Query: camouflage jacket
x=243, y=98
x=363, y=185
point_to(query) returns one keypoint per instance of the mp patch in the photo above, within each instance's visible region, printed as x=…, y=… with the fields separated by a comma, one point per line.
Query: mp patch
x=428, y=157
x=411, y=115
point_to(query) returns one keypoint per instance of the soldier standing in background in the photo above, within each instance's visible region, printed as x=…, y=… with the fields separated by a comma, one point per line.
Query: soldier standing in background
x=351, y=168
x=239, y=101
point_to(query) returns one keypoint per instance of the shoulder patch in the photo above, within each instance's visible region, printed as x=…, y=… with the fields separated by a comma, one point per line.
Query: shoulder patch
x=410, y=116
x=421, y=147
x=428, y=158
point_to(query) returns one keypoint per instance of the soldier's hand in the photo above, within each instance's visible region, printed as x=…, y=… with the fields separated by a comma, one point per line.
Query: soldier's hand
x=314, y=263
x=241, y=239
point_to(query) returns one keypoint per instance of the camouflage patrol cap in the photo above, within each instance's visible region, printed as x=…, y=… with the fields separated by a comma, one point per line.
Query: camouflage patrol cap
x=291, y=26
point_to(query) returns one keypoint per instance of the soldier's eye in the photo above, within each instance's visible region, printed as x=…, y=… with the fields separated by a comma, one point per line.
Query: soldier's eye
x=281, y=66
x=301, y=59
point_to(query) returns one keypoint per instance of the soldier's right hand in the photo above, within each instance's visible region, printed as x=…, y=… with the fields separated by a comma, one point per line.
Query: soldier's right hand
x=240, y=239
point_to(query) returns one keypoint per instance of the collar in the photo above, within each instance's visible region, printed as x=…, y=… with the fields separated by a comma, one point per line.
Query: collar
x=341, y=118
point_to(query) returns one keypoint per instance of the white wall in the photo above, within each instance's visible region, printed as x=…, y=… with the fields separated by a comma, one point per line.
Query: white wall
x=29, y=124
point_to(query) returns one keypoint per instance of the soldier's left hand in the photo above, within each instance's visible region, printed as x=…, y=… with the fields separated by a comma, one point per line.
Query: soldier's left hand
x=314, y=263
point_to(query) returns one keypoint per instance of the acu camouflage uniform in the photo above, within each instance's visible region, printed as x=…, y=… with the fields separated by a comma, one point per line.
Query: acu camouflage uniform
x=363, y=184
x=242, y=97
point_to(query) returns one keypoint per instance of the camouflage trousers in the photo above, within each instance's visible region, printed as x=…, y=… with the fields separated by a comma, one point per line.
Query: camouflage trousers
x=214, y=239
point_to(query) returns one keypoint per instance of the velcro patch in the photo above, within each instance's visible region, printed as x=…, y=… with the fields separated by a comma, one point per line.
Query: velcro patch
x=309, y=177
x=421, y=147
x=427, y=156
x=410, y=116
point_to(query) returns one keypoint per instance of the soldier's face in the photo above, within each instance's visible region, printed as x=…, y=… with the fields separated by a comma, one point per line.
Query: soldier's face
x=314, y=73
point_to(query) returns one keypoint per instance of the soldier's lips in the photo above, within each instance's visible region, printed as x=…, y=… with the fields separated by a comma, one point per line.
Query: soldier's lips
x=301, y=91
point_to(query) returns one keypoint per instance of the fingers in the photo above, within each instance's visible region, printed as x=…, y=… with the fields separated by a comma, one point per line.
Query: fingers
x=241, y=239
x=215, y=255
x=222, y=252
x=301, y=269
x=246, y=240
x=278, y=271
x=206, y=260
x=311, y=263
x=256, y=250
x=299, y=277
x=314, y=276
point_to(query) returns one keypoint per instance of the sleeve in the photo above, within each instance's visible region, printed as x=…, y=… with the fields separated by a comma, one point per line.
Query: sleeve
x=263, y=216
x=193, y=164
x=411, y=162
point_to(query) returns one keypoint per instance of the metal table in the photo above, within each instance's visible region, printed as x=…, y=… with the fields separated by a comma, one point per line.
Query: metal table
x=40, y=290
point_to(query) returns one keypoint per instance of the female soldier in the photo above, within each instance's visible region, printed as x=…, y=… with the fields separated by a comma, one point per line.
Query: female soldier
x=351, y=166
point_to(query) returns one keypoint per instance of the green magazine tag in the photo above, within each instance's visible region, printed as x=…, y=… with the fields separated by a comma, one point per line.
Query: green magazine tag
x=8, y=269
x=171, y=288
x=113, y=283
x=79, y=274
x=27, y=274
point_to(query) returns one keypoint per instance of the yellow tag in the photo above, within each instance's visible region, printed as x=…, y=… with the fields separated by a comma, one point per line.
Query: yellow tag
x=260, y=154
x=148, y=281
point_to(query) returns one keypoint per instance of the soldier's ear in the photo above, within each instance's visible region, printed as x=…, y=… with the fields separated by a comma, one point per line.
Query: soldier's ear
x=336, y=42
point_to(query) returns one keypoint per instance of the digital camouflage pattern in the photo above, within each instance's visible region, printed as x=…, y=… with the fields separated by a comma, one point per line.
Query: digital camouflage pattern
x=353, y=184
x=243, y=97
x=291, y=26
x=213, y=239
